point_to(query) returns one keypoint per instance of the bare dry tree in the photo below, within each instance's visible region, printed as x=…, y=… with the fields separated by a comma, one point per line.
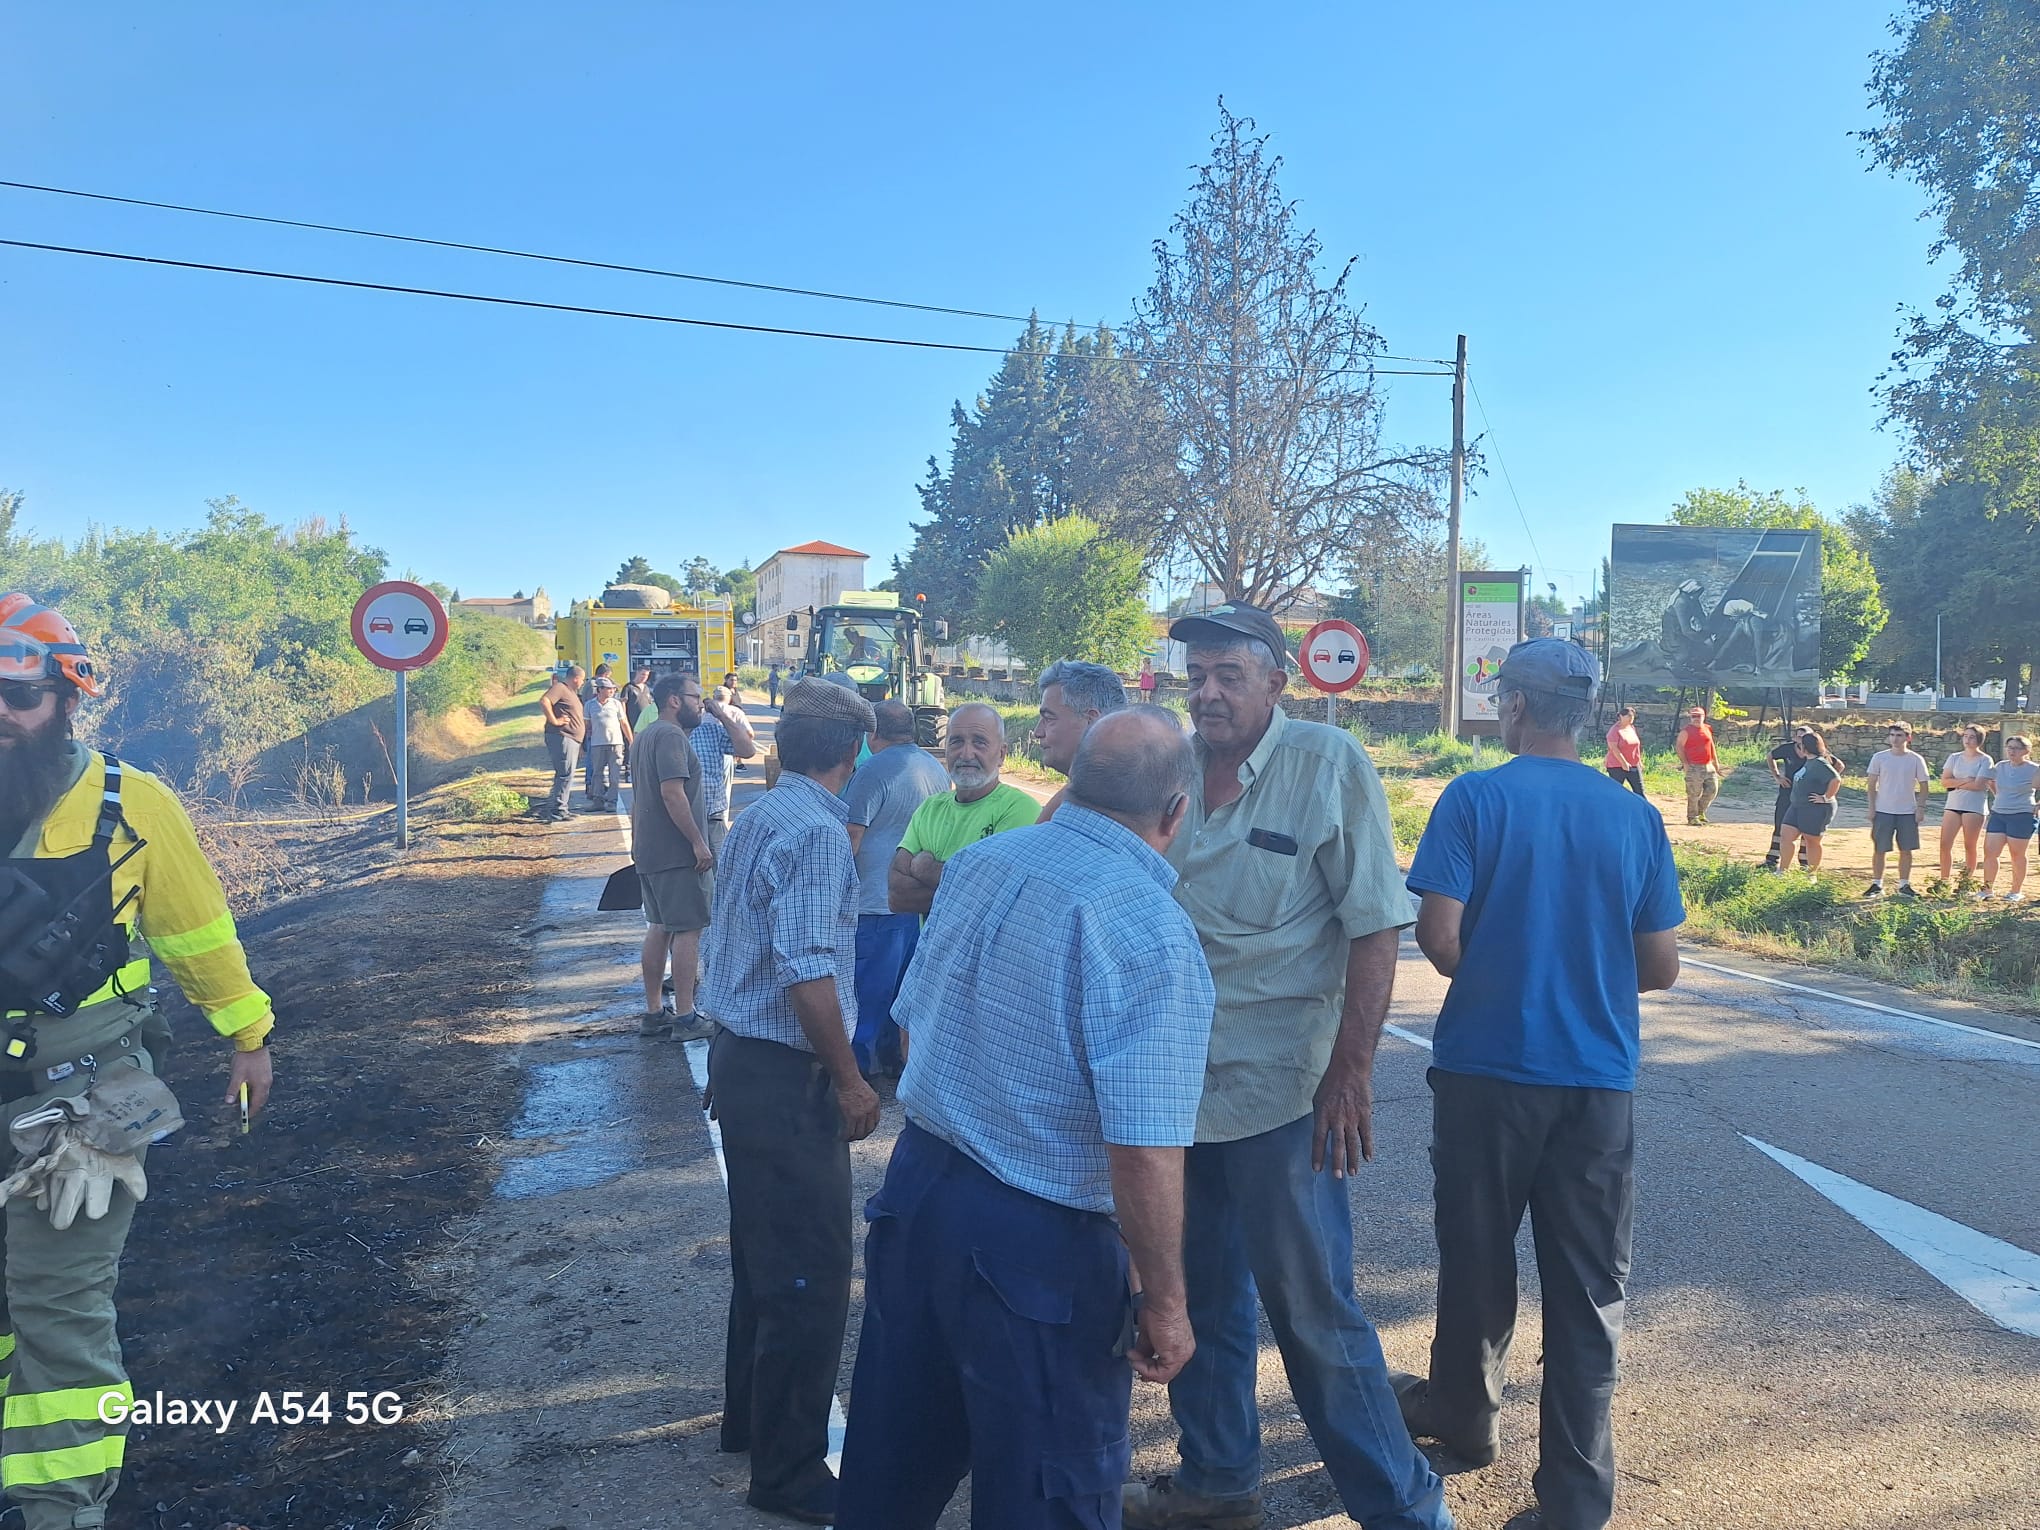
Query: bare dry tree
x=1273, y=458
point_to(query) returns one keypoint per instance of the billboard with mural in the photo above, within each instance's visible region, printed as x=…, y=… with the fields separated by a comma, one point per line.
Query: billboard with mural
x=1714, y=605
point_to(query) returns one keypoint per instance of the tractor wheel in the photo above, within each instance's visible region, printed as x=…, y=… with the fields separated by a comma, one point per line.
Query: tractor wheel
x=931, y=728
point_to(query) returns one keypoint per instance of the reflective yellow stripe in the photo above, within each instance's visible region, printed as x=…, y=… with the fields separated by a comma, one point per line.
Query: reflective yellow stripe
x=6, y=1345
x=207, y=937
x=70, y=1405
x=132, y=978
x=229, y=1018
x=37, y=1468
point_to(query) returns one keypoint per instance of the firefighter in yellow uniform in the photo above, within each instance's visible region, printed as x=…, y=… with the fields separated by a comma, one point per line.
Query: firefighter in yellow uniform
x=98, y=854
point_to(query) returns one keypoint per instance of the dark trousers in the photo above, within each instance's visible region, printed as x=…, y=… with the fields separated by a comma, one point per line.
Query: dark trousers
x=1778, y=826
x=1567, y=1155
x=1629, y=776
x=994, y=1324
x=1256, y=1218
x=789, y=1170
x=885, y=944
x=562, y=749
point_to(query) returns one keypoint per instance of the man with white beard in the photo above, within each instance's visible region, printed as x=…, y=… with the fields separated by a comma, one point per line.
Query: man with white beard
x=979, y=806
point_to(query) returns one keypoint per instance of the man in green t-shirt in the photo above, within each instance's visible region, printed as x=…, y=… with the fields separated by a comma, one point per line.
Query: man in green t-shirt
x=979, y=806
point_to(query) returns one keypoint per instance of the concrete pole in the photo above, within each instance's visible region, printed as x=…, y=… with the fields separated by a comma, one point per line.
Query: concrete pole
x=1453, y=617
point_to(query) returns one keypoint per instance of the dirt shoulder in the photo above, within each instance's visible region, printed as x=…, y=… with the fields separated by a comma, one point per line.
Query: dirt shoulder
x=278, y=1262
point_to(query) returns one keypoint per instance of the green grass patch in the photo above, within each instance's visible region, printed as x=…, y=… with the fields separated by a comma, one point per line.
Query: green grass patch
x=1981, y=950
x=1406, y=816
x=483, y=799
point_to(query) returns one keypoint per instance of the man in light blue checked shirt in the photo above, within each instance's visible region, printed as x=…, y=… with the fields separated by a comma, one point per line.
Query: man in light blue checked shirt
x=724, y=732
x=785, y=1086
x=1059, y=1006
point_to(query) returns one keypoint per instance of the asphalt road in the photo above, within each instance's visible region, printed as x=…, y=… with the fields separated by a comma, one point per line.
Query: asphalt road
x=1785, y=1366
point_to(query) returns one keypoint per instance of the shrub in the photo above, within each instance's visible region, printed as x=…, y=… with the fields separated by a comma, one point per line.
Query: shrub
x=482, y=799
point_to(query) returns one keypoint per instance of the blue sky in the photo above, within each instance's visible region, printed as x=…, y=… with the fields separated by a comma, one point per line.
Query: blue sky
x=1672, y=264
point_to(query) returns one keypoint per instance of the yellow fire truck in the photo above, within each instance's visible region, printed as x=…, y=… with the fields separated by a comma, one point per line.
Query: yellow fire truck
x=638, y=626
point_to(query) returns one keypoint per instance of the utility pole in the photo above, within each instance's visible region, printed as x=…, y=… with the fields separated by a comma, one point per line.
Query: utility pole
x=1454, y=596
x=1937, y=659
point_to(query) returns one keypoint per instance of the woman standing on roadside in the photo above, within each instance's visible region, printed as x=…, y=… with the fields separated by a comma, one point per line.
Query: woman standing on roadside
x=1964, y=777
x=1625, y=751
x=1147, y=681
x=1815, y=786
x=2011, y=819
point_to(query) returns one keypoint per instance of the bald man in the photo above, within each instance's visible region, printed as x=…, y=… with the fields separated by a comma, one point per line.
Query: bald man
x=1052, y=1141
x=977, y=807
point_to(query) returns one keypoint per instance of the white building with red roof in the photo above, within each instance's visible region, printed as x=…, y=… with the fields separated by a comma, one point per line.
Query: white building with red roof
x=793, y=581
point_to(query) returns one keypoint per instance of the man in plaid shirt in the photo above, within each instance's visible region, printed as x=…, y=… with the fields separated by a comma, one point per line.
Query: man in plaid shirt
x=1059, y=1007
x=786, y=1088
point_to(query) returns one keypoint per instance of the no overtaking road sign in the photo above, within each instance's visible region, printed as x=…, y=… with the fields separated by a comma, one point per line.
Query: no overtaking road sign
x=399, y=625
x=1334, y=656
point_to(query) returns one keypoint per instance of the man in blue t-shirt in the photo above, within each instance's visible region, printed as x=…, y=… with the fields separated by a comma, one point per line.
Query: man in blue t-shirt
x=1550, y=900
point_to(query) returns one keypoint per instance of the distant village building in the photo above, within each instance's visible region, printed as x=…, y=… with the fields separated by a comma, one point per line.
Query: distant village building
x=535, y=610
x=790, y=583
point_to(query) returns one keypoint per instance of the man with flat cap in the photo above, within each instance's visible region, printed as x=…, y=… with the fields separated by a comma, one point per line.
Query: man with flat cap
x=1287, y=868
x=785, y=1085
x=1550, y=901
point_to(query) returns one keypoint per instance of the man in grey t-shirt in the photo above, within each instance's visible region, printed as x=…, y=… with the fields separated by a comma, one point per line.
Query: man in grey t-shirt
x=882, y=796
x=669, y=840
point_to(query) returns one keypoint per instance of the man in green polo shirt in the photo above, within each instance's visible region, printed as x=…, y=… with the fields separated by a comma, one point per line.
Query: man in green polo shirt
x=979, y=806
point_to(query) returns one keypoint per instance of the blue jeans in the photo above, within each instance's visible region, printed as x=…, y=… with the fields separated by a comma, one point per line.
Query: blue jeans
x=1257, y=1218
x=992, y=1344
x=885, y=944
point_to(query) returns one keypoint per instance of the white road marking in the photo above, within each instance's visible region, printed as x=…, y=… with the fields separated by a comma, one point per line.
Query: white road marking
x=1410, y=1036
x=1998, y=1279
x=1843, y=998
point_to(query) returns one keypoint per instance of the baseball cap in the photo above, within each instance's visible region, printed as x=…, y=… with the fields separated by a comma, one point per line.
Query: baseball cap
x=1229, y=623
x=604, y=683
x=1551, y=665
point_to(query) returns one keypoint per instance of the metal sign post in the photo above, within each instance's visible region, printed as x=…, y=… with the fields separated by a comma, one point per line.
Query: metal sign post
x=403, y=760
x=400, y=626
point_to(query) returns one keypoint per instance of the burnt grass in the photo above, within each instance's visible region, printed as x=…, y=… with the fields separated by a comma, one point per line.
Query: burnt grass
x=277, y=1262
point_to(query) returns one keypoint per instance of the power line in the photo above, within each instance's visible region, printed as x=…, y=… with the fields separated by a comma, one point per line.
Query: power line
x=607, y=313
x=1535, y=555
x=573, y=260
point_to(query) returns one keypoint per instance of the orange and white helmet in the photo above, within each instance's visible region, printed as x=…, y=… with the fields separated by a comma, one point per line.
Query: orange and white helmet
x=36, y=643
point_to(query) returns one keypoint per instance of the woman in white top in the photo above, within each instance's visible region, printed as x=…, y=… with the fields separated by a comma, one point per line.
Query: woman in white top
x=1963, y=776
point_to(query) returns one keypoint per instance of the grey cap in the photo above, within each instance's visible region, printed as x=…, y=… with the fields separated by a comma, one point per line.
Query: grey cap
x=1551, y=665
x=814, y=697
x=1228, y=624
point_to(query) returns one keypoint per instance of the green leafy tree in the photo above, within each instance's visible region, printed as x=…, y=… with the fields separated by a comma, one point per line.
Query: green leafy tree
x=1065, y=590
x=1852, y=610
x=741, y=585
x=1959, y=95
x=633, y=571
x=1055, y=433
x=1273, y=460
x=674, y=587
x=1940, y=553
x=217, y=643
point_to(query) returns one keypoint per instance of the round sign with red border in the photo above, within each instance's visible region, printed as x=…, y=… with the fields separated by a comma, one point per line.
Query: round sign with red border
x=399, y=625
x=1334, y=656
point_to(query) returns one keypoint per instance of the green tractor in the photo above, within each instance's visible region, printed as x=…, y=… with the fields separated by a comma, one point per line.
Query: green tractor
x=883, y=647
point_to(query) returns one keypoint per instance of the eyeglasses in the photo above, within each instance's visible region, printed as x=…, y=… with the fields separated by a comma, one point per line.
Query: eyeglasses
x=21, y=695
